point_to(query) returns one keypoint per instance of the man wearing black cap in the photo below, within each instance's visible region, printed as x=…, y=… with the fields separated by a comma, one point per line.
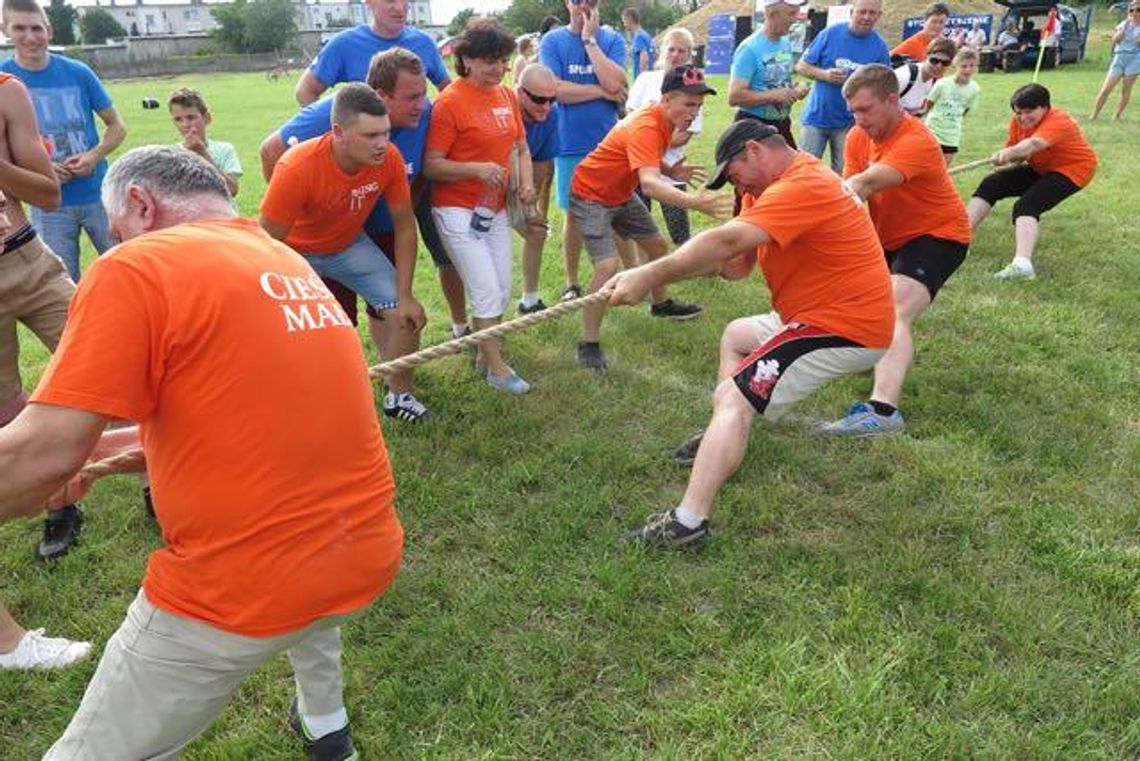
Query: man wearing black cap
x=831, y=315
x=602, y=198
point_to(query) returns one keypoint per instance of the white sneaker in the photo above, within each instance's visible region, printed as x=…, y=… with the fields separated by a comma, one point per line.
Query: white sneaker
x=36, y=651
x=1015, y=271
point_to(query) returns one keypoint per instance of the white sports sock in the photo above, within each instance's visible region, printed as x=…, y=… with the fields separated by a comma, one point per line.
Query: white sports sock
x=1023, y=264
x=458, y=329
x=686, y=517
x=529, y=298
x=323, y=724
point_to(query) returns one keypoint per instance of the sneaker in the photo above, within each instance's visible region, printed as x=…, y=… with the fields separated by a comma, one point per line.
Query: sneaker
x=675, y=310
x=1016, y=272
x=335, y=746
x=590, y=355
x=537, y=306
x=61, y=532
x=35, y=651
x=404, y=407
x=686, y=454
x=664, y=531
x=511, y=383
x=570, y=293
x=862, y=420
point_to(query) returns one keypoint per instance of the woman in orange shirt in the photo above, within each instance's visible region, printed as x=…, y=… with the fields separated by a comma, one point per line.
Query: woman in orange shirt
x=476, y=129
x=1052, y=161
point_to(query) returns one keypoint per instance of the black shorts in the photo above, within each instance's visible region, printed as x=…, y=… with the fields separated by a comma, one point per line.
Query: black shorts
x=929, y=260
x=1036, y=193
x=948, y=150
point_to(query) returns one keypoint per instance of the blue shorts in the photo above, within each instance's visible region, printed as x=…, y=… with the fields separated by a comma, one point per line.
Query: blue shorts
x=564, y=167
x=363, y=268
x=1125, y=64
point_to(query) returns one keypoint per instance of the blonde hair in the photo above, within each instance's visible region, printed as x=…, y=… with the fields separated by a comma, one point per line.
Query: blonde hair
x=966, y=53
x=674, y=33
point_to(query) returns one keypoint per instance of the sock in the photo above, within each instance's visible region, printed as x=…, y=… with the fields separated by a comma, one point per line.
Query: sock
x=530, y=298
x=319, y=725
x=882, y=408
x=686, y=517
x=458, y=329
x=1022, y=263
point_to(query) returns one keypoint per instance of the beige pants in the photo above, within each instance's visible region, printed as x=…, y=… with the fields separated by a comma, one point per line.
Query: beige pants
x=34, y=290
x=164, y=679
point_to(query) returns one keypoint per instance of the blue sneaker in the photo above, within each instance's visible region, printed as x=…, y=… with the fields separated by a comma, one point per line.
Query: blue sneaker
x=862, y=420
x=511, y=383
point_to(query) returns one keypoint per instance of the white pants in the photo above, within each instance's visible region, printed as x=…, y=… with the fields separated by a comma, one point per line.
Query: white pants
x=483, y=263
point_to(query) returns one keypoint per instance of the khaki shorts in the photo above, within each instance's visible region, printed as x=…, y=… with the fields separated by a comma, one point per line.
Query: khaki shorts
x=598, y=224
x=34, y=290
x=791, y=361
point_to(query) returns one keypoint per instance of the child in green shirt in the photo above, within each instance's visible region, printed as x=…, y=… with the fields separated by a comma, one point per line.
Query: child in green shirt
x=950, y=100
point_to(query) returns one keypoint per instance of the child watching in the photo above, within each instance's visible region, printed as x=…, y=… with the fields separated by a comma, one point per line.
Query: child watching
x=949, y=101
x=191, y=117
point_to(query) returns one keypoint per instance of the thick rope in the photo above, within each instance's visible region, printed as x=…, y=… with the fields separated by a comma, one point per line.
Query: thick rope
x=970, y=165
x=458, y=345
x=124, y=462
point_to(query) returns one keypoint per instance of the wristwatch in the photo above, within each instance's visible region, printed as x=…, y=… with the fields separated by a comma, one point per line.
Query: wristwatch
x=589, y=41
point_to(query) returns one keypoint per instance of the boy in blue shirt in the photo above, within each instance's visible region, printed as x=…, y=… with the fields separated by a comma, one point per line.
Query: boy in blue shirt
x=641, y=44
x=66, y=94
x=836, y=52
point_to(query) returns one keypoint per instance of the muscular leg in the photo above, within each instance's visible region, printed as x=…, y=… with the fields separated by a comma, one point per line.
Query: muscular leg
x=911, y=300
x=723, y=447
x=977, y=210
x=739, y=340
x=1102, y=96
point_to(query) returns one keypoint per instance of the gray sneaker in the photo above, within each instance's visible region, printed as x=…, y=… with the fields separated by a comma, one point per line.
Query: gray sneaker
x=862, y=420
x=664, y=532
x=1016, y=272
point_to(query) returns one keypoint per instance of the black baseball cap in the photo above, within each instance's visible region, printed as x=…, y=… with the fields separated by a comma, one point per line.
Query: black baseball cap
x=688, y=79
x=732, y=142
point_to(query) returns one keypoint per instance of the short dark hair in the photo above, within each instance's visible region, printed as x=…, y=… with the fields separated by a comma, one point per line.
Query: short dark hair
x=937, y=9
x=485, y=39
x=631, y=14
x=187, y=98
x=385, y=68
x=548, y=23
x=355, y=99
x=1031, y=95
x=943, y=45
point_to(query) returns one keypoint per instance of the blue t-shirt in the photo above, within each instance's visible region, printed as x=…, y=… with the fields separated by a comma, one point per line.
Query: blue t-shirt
x=836, y=47
x=542, y=137
x=765, y=65
x=315, y=120
x=641, y=41
x=583, y=125
x=66, y=95
x=346, y=56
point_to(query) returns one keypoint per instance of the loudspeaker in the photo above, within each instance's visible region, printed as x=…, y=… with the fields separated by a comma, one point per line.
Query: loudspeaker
x=743, y=29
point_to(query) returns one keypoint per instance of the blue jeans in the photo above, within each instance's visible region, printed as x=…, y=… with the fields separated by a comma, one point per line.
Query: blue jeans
x=815, y=140
x=60, y=231
x=363, y=268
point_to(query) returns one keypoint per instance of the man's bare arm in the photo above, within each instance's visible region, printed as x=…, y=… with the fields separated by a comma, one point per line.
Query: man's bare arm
x=29, y=175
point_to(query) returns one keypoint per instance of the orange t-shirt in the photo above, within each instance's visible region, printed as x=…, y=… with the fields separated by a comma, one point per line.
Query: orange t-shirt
x=324, y=207
x=927, y=203
x=914, y=47
x=824, y=264
x=608, y=175
x=472, y=123
x=1068, y=152
x=270, y=475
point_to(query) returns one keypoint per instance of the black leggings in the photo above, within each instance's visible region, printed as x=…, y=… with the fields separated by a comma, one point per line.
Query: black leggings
x=1036, y=193
x=676, y=219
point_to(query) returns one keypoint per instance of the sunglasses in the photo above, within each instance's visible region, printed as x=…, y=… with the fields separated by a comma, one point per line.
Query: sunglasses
x=940, y=61
x=540, y=100
x=591, y=3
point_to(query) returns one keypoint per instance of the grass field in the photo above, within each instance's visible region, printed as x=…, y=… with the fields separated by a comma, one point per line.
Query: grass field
x=968, y=589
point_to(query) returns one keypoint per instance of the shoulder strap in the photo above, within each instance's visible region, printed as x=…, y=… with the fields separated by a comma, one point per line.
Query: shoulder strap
x=912, y=67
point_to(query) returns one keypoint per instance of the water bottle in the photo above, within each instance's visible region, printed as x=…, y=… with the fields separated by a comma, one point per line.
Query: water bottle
x=484, y=211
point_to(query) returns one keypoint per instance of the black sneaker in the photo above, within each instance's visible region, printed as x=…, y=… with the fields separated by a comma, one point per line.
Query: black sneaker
x=404, y=407
x=336, y=746
x=675, y=310
x=590, y=355
x=148, y=502
x=664, y=531
x=570, y=293
x=61, y=533
x=686, y=454
x=537, y=306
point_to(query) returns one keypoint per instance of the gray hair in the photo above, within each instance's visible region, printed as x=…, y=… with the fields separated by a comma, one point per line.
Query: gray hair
x=536, y=73
x=172, y=174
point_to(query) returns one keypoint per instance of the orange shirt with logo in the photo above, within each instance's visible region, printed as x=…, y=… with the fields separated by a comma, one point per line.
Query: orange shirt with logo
x=1068, y=152
x=824, y=265
x=270, y=475
x=472, y=123
x=927, y=203
x=323, y=206
x=913, y=47
x=608, y=175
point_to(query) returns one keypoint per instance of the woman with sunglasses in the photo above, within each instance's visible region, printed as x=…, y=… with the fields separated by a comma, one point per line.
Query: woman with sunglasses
x=1125, y=62
x=476, y=126
x=916, y=80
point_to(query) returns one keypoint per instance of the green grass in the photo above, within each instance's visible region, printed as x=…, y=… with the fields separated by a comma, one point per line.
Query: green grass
x=969, y=589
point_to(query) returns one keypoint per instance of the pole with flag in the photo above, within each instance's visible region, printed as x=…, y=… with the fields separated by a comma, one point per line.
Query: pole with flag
x=1052, y=27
